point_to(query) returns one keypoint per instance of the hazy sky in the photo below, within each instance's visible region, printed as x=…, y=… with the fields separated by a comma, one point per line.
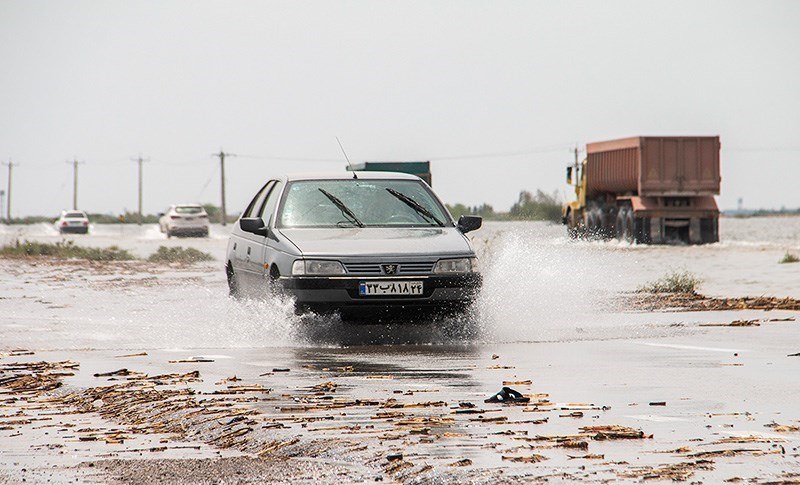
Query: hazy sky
x=494, y=93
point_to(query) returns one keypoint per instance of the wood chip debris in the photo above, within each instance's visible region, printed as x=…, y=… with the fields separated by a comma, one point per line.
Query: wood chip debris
x=588, y=456
x=462, y=462
x=697, y=302
x=783, y=428
x=329, y=386
x=534, y=458
x=613, y=432
x=745, y=439
x=675, y=471
x=727, y=453
x=395, y=404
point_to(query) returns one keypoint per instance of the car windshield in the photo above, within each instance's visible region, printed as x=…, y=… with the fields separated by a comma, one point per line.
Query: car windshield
x=358, y=202
x=75, y=215
x=188, y=209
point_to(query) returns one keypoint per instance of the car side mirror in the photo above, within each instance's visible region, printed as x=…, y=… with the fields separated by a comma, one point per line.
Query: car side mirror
x=254, y=225
x=469, y=223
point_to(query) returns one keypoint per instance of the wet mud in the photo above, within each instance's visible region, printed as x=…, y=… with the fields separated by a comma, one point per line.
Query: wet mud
x=697, y=302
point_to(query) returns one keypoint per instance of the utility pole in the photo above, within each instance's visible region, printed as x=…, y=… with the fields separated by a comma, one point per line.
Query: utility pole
x=140, y=161
x=10, y=165
x=222, y=156
x=75, y=164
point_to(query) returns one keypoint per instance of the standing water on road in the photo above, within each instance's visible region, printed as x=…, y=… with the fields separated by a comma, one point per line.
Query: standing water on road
x=538, y=286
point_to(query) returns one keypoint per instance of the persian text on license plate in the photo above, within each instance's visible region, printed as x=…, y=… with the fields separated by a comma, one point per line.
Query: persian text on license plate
x=401, y=288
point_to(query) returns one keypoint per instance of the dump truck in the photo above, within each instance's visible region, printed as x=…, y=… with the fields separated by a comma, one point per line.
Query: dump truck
x=420, y=169
x=646, y=189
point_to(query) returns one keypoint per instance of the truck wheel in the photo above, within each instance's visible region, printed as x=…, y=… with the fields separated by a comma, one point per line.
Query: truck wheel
x=591, y=225
x=629, y=228
x=619, y=224
x=574, y=225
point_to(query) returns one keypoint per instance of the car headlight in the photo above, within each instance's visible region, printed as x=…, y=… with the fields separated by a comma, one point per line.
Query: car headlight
x=460, y=265
x=316, y=267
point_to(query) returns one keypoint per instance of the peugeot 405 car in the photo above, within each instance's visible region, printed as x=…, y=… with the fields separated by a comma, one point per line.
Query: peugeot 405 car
x=354, y=242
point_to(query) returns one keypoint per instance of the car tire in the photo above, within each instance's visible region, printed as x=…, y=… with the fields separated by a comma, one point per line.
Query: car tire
x=273, y=280
x=233, y=285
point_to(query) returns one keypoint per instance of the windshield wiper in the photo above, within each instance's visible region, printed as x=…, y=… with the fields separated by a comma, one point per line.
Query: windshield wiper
x=415, y=205
x=340, y=205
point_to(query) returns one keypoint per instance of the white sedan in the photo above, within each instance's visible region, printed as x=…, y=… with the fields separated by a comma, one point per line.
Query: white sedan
x=184, y=220
x=73, y=222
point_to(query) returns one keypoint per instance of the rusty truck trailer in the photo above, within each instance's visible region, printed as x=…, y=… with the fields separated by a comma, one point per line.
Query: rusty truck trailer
x=647, y=189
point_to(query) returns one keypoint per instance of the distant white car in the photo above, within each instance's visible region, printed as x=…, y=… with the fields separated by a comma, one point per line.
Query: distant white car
x=73, y=222
x=184, y=220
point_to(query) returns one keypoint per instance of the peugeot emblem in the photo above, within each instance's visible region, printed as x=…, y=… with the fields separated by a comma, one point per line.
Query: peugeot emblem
x=390, y=268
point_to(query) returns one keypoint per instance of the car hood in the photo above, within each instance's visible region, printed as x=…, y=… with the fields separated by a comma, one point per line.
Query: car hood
x=373, y=241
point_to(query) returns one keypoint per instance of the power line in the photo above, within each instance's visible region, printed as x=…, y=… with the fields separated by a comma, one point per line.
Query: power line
x=552, y=148
x=544, y=149
x=289, y=159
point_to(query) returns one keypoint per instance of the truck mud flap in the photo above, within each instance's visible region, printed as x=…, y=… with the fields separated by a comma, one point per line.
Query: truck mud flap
x=641, y=230
x=709, y=230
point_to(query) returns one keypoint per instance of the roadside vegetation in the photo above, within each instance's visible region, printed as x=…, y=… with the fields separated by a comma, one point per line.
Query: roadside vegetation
x=789, y=258
x=743, y=214
x=68, y=250
x=64, y=250
x=178, y=255
x=126, y=218
x=538, y=206
x=682, y=282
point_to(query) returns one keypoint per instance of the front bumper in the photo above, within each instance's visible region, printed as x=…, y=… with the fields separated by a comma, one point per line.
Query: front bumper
x=188, y=230
x=73, y=229
x=323, y=293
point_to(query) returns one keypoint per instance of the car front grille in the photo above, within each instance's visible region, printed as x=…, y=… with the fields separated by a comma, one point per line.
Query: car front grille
x=376, y=269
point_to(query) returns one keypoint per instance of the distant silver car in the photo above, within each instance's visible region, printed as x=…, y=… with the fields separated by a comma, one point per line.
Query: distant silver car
x=74, y=222
x=184, y=220
x=338, y=243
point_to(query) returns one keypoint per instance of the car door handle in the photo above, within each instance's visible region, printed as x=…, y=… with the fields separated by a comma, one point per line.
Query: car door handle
x=248, y=250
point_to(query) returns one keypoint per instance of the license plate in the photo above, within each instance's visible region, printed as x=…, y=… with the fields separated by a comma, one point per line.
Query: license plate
x=399, y=288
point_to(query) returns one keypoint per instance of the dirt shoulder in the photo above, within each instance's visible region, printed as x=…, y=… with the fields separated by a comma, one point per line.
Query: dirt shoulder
x=698, y=302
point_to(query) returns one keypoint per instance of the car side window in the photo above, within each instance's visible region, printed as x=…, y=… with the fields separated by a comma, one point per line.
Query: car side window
x=268, y=207
x=258, y=200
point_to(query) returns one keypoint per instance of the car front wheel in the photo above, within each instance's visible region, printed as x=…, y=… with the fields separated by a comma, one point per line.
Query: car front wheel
x=233, y=285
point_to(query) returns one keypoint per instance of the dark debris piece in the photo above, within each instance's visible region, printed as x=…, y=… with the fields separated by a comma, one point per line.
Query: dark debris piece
x=508, y=396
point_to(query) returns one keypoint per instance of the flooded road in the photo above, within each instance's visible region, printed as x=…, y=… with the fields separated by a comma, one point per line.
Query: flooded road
x=719, y=402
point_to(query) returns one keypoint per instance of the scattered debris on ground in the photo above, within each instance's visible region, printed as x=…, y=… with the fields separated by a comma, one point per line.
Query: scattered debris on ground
x=697, y=302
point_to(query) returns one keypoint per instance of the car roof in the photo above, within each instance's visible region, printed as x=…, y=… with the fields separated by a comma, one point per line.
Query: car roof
x=349, y=176
x=191, y=204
